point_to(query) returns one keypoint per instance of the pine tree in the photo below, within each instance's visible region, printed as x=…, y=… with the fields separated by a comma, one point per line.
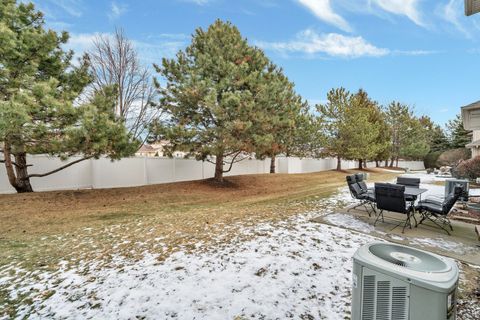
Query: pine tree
x=459, y=137
x=280, y=117
x=38, y=87
x=211, y=97
x=332, y=119
x=384, y=139
x=410, y=138
x=363, y=142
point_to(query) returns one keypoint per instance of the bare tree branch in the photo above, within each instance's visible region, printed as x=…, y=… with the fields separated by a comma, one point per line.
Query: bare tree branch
x=114, y=61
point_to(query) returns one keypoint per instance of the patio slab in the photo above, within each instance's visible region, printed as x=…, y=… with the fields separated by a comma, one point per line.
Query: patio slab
x=461, y=245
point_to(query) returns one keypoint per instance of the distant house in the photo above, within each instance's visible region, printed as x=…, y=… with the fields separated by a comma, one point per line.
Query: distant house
x=146, y=150
x=157, y=150
x=471, y=121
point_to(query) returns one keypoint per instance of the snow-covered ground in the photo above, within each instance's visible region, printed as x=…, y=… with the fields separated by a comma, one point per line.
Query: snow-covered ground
x=291, y=269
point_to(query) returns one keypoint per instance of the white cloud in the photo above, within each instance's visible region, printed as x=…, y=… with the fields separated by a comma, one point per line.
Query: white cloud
x=331, y=44
x=453, y=13
x=323, y=10
x=198, y=2
x=416, y=52
x=116, y=10
x=81, y=42
x=165, y=46
x=408, y=8
x=72, y=7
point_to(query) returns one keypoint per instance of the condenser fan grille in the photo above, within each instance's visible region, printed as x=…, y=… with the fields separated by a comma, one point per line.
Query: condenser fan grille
x=408, y=258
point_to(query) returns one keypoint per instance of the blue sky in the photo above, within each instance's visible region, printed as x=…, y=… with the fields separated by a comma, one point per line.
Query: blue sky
x=425, y=53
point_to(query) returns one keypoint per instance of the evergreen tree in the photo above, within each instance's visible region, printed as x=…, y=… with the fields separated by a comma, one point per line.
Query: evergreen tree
x=384, y=139
x=363, y=115
x=307, y=139
x=280, y=117
x=458, y=136
x=332, y=119
x=350, y=126
x=38, y=87
x=211, y=97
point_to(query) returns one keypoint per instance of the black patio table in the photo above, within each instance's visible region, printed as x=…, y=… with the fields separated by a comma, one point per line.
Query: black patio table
x=414, y=193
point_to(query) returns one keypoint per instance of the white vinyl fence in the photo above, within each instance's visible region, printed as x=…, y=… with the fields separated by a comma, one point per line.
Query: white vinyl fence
x=139, y=171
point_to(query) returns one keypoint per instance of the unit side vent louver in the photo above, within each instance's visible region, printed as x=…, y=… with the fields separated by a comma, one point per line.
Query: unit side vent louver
x=383, y=300
x=368, y=306
x=399, y=303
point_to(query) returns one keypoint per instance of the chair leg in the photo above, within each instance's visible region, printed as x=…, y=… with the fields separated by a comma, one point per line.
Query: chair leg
x=355, y=207
x=378, y=217
x=407, y=221
x=365, y=205
x=444, y=220
x=366, y=209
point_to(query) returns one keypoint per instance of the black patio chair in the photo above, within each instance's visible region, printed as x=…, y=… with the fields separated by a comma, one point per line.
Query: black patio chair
x=409, y=182
x=437, y=211
x=361, y=182
x=366, y=198
x=391, y=197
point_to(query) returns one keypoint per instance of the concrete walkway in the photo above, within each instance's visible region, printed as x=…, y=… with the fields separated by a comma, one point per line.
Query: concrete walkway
x=462, y=244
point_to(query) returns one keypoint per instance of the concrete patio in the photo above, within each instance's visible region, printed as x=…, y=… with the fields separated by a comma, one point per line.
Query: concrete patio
x=462, y=244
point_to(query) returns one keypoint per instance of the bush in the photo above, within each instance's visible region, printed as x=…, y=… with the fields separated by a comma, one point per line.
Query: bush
x=453, y=157
x=468, y=169
x=430, y=160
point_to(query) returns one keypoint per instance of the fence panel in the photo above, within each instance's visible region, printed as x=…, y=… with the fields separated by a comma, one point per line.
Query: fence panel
x=127, y=172
x=103, y=173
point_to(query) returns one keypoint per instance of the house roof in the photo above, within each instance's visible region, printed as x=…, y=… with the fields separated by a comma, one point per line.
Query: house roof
x=475, y=105
x=146, y=148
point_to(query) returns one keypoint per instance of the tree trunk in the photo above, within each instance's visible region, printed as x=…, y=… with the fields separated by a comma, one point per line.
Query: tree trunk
x=396, y=161
x=339, y=163
x=364, y=163
x=386, y=163
x=219, y=168
x=391, y=162
x=23, y=181
x=377, y=163
x=9, y=165
x=360, y=164
x=272, y=164
x=19, y=178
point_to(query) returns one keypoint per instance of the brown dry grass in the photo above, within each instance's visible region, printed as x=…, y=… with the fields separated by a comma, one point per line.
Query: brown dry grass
x=44, y=227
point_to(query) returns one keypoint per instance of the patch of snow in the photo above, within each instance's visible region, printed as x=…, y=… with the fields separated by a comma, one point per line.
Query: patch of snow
x=394, y=171
x=349, y=222
x=297, y=271
x=441, y=243
x=396, y=237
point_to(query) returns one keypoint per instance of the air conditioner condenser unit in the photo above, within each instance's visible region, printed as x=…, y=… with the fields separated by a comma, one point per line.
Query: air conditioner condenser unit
x=395, y=282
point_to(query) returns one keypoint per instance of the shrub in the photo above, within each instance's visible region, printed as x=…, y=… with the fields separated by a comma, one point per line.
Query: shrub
x=469, y=169
x=453, y=157
x=430, y=160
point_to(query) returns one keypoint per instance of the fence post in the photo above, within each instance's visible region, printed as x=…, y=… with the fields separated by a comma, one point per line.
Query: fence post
x=145, y=172
x=174, y=170
x=92, y=174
